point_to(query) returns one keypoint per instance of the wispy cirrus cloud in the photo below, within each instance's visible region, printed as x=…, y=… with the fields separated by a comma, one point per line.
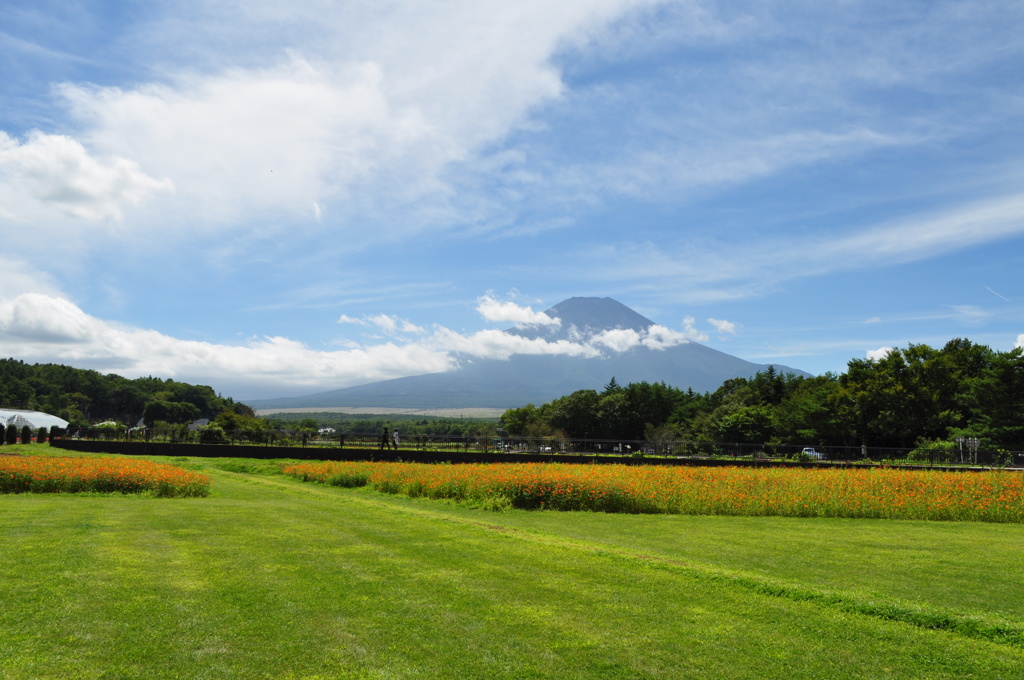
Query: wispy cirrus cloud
x=385, y=322
x=723, y=326
x=707, y=272
x=243, y=116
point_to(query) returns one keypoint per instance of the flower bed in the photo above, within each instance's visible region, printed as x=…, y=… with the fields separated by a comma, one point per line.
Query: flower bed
x=43, y=474
x=853, y=493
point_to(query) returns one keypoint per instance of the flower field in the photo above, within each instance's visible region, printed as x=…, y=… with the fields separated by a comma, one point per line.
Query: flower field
x=44, y=474
x=854, y=493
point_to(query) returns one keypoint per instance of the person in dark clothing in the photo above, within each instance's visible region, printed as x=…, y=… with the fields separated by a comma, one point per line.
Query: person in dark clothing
x=385, y=440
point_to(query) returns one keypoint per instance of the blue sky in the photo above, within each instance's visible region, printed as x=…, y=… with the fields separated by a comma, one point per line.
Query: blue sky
x=279, y=200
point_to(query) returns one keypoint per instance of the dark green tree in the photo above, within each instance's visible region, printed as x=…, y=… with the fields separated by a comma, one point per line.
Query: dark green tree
x=577, y=414
x=808, y=414
x=998, y=396
x=613, y=416
x=173, y=412
x=648, y=404
x=518, y=422
x=913, y=393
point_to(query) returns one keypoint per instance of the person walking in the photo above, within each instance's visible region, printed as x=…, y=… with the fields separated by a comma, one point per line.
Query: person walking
x=385, y=440
x=394, y=439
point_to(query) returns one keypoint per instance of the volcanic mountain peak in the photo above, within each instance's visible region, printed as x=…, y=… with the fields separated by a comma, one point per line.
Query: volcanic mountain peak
x=585, y=316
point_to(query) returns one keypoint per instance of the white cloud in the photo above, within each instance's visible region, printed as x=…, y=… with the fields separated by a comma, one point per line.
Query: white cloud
x=38, y=318
x=18, y=276
x=691, y=332
x=494, y=310
x=45, y=328
x=655, y=337
x=389, y=324
x=923, y=236
x=710, y=270
x=356, y=109
x=970, y=314
x=55, y=171
x=878, y=354
x=659, y=337
x=873, y=320
x=617, y=339
x=496, y=344
x=723, y=326
x=242, y=142
x=1020, y=341
x=386, y=323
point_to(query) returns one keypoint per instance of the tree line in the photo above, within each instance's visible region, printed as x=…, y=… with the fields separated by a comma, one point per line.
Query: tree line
x=82, y=396
x=409, y=424
x=912, y=397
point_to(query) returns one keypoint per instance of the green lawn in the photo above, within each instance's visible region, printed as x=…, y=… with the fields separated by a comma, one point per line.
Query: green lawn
x=272, y=578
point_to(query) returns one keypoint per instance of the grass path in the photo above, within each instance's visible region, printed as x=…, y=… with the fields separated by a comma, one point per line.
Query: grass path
x=269, y=578
x=891, y=570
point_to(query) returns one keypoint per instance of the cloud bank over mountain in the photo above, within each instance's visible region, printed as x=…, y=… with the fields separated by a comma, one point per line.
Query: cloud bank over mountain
x=41, y=328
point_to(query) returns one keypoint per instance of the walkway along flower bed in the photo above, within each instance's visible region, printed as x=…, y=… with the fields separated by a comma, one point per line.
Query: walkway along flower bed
x=44, y=474
x=855, y=493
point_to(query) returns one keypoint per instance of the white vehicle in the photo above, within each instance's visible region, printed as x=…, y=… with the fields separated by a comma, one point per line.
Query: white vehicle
x=817, y=455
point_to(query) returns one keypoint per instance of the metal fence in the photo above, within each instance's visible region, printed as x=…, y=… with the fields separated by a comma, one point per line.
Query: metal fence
x=675, y=449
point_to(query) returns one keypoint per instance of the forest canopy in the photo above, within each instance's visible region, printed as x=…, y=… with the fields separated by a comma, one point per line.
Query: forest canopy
x=911, y=396
x=81, y=396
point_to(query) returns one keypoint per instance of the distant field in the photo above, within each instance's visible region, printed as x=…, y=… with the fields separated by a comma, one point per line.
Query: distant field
x=382, y=411
x=269, y=577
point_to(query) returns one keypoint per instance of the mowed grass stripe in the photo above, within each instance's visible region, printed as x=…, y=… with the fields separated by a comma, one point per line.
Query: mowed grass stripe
x=262, y=581
x=962, y=566
x=1000, y=630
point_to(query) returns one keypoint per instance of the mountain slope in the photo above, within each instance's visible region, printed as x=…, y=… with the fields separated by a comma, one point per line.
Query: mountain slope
x=537, y=379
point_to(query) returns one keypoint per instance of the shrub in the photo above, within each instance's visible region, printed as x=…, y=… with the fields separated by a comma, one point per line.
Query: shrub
x=108, y=431
x=3, y=433
x=26, y=434
x=12, y=434
x=41, y=436
x=933, y=451
x=213, y=434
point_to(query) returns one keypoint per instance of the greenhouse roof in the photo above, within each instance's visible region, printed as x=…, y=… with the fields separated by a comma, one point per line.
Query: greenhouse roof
x=34, y=419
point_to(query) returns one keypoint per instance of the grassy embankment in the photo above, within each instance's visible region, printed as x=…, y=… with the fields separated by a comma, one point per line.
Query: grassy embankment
x=270, y=577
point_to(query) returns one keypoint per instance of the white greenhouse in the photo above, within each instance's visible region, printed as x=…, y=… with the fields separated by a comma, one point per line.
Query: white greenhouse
x=34, y=419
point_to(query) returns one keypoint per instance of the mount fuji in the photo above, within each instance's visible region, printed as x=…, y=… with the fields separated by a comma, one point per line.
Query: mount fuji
x=623, y=344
